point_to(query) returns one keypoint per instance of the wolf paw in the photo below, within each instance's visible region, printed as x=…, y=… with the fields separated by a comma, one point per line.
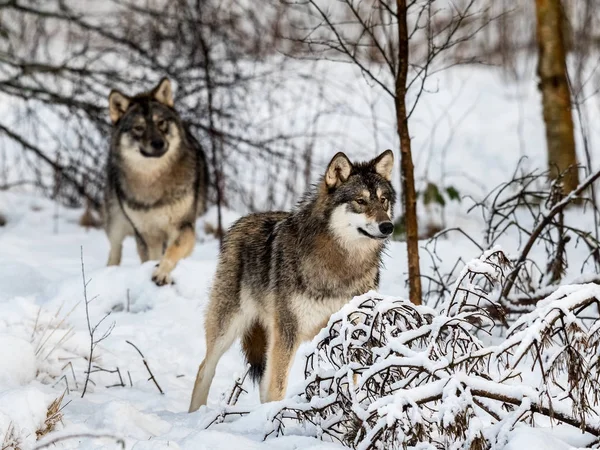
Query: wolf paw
x=161, y=277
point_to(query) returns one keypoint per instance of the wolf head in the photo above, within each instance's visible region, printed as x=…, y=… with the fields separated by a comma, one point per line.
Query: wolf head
x=361, y=198
x=145, y=125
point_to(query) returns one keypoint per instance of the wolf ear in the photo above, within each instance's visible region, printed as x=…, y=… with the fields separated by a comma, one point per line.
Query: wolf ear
x=384, y=164
x=164, y=92
x=338, y=170
x=117, y=105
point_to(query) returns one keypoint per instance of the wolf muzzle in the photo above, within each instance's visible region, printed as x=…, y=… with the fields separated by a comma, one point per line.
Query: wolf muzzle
x=379, y=231
x=158, y=147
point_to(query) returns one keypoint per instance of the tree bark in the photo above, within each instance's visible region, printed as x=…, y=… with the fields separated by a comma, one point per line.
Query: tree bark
x=556, y=96
x=407, y=177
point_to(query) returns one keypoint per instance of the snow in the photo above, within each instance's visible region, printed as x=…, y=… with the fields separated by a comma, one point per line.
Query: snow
x=22, y=412
x=362, y=331
x=17, y=361
x=124, y=419
x=44, y=342
x=165, y=323
x=526, y=438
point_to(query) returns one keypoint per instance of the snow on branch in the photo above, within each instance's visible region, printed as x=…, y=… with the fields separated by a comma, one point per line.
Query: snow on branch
x=550, y=233
x=388, y=374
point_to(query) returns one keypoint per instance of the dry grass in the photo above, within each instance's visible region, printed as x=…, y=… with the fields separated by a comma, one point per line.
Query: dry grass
x=11, y=440
x=51, y=332
x=54, y=415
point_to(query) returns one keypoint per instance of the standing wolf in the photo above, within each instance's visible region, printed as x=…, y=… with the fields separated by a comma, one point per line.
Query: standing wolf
x=157, y=180
x=281, y=275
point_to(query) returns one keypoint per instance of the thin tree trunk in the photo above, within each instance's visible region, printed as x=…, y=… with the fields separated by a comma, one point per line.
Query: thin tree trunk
x=215, y=160
x=556, y=97
x=407, y=176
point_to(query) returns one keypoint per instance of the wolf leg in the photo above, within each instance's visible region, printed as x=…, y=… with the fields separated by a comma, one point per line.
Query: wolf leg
x=142, y=249
x=178, y=248
x=116, y=251
x=117, y=230
x=155, y=246
x=220, y=333
x=283, y=343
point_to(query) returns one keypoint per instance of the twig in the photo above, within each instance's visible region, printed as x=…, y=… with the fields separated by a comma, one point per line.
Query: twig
x=87, y=315
x=510, y=280
x=91, y=329
x=117, y=371
x=237, y=388
x=37, y=318
x=44, y=443
x=147, y=367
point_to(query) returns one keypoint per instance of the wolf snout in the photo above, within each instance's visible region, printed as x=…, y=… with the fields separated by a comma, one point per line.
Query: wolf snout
x=386, y=228
x=156, y=149
x=157, y=144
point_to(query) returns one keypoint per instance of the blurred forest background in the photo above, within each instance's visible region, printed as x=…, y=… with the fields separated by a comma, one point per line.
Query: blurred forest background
x=250, y=78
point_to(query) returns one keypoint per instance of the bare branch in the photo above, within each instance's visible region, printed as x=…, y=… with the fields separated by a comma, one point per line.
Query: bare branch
x=152, y=377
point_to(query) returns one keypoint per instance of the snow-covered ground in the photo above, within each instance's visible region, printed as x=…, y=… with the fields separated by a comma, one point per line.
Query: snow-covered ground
x=44, y=341
x=43, y=328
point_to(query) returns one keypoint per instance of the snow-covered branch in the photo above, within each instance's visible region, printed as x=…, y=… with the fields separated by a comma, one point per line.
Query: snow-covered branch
x=385, y=373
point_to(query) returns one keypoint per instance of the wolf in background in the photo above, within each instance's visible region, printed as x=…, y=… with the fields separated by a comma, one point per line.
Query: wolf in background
x=281, y=275
x=157, y=180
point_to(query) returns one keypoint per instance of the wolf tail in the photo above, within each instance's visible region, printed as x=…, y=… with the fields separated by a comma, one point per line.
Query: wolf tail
x=254, y=346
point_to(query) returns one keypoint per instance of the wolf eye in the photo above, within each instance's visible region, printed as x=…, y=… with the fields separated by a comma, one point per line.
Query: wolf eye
x=162, y=125
x=383, y=199
x=138, y=129
x=361, y=201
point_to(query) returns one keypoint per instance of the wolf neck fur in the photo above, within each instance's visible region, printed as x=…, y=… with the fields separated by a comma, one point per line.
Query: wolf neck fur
x=147, y=186
x=156, y=171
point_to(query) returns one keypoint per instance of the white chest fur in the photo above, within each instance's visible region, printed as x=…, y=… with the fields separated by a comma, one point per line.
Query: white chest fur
x=313, y=314
x=162, y=219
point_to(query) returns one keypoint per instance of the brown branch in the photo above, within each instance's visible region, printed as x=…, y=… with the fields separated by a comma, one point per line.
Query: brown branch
x=345, y=50
x=510, y=280
x=536, y=407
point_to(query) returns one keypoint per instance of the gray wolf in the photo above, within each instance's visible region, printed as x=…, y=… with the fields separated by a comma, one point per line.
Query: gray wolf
x=157, y=180
x=281, y=275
